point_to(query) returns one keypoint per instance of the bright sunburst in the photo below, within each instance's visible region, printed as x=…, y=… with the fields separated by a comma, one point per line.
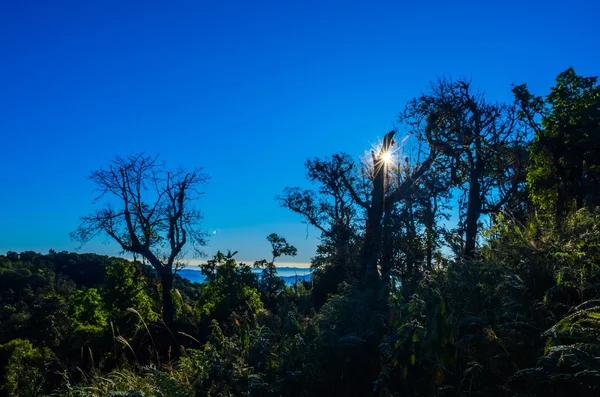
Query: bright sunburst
x=376, y=157
x=387, y=157
x=384, y=158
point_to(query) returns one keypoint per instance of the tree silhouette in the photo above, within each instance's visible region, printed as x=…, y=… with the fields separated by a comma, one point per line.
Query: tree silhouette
x=271, y=285
x=382, y=199
x=148, y=211
x=347, y=190
x=483, y=144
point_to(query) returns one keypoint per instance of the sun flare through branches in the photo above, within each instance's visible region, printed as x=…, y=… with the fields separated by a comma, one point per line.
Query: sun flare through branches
x=384, y=154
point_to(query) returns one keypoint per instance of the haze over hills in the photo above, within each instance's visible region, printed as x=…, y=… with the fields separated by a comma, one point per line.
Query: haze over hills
x=194, y=263
x=289, y=274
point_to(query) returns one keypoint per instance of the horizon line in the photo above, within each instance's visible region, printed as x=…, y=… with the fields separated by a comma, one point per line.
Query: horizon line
x=301, y=265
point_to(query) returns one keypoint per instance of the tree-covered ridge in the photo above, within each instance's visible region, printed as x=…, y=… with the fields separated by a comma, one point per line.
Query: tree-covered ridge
x=503, y=302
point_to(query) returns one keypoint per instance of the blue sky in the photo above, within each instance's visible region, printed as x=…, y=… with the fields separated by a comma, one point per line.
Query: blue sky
x=247, y=90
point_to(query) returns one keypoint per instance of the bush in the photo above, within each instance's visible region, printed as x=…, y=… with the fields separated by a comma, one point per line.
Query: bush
x=23, y=368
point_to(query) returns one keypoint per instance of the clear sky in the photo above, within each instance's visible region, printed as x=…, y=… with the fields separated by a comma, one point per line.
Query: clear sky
x=246, y=89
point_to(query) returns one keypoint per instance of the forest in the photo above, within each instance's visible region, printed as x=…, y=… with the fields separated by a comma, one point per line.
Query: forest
x=460, y=257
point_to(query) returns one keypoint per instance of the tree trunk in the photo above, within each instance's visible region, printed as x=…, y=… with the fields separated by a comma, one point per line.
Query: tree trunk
x=429, y=220
x=429, y=250
x=167, y=286
x=371, y=249
x=473, y=212
x=375, y=211
x=387, y=249
x=373, y=230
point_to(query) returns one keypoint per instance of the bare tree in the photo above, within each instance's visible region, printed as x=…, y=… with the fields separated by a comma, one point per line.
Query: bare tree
x=148, y=211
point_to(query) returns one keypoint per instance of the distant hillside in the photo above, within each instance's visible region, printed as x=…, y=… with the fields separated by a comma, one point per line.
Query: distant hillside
x=289, y=274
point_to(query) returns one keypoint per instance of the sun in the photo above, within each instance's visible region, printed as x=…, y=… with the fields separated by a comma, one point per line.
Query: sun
x=378, y=157
x=387, y=158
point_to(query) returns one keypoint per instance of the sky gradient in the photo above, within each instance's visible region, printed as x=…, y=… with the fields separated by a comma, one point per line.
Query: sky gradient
x=247, y=90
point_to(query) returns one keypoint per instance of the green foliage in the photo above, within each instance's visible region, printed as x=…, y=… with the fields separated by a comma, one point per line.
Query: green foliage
x=565, y=155
x=219, y=369
x=22, y=368
x=420, y=341
x=129, y=382
x=230, y=290
x=124, y=288
x=343, y=342
x=571, y=360
x=88, y=308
